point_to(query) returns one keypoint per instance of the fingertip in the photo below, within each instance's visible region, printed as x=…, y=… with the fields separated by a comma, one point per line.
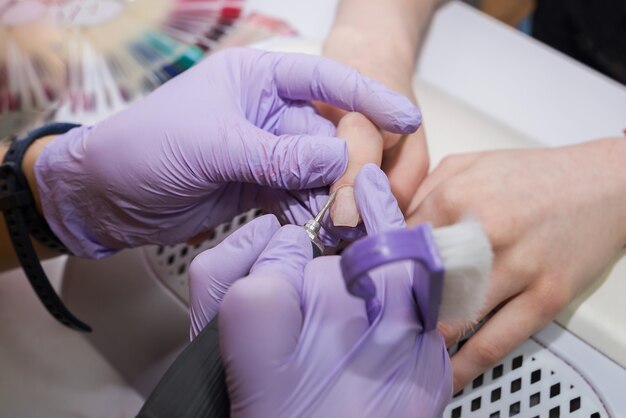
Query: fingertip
x=266, y=224
x=408, y=118
x=288, y=251
x=371, y=181
x=364, y=143
x=391, y=110
x=245, y=244
x=305, y=77
x=404, y=118
x=377, y=205
x=292, y=235
x=374, y=176
x=325, y=128
x=213, y=272
x=253, y=236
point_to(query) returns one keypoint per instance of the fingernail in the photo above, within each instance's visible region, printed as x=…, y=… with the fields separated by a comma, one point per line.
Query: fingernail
x=344, y=211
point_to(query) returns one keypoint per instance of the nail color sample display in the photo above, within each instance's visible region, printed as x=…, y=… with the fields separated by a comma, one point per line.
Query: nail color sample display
x=76, y=58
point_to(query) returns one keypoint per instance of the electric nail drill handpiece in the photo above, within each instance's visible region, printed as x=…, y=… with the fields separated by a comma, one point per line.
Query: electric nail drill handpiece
x=313, y=227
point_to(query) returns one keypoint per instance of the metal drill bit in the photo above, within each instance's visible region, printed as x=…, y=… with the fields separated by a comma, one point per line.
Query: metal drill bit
x=313, y=227
x=322, y=212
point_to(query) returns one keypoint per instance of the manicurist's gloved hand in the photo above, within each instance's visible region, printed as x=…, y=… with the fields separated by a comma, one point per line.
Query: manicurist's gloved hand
x=295, y=343
x=204, y=147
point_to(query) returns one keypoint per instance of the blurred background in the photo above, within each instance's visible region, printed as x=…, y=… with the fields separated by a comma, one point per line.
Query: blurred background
x=77, y=60
x=592, y=32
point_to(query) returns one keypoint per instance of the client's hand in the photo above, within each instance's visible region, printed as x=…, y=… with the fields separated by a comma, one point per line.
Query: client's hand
x=380, y=39
x=555, y=218
x=295, y=343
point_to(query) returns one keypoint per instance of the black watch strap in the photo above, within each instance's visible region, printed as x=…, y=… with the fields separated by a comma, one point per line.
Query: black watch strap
x=21, y=217
x=37, y=226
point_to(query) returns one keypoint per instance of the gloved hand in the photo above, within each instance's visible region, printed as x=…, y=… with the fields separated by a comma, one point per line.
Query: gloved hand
x=206, y=146
x=295, y=343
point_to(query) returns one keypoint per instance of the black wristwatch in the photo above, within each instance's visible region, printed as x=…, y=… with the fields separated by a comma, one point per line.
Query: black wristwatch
x=23, y=221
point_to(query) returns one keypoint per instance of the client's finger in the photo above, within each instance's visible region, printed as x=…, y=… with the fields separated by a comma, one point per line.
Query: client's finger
x=213, y=271
x=497, y=337
x=406, y=165
x=365, y=145
x=502, y=286
x=449, y=167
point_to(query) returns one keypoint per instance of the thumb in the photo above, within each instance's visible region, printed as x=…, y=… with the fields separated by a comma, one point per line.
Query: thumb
x=380, y=213
x=365, y=145
x=213, y=271
x=252, y=155
x=377, y=205
x=261, y=319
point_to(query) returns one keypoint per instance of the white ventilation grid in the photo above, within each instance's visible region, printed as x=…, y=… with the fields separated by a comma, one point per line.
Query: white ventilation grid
x=551, y=375
x=170, y=263
x=530, y=382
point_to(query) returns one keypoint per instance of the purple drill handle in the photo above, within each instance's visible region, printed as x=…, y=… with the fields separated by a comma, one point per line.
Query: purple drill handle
x=415, y=244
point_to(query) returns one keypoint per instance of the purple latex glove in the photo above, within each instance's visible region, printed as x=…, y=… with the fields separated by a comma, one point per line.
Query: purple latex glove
x=295, y=343
x=204, y=147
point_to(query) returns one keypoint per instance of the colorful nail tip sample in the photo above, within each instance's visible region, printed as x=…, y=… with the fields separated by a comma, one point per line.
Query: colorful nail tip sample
x=82, y=60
